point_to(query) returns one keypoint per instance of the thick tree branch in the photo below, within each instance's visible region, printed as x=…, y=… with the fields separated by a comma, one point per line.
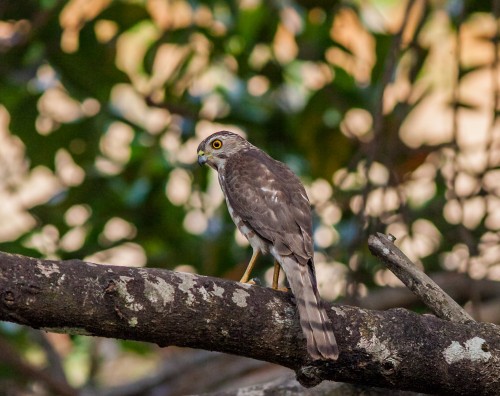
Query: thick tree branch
x=394, y=349
x=418, y=282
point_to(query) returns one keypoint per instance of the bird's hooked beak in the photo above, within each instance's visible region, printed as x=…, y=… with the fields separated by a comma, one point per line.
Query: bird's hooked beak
x=202, y=158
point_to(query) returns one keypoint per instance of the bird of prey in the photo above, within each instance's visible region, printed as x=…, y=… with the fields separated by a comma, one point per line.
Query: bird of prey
x=269, y=205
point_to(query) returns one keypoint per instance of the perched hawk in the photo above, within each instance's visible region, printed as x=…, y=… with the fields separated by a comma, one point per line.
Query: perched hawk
x=269, y=205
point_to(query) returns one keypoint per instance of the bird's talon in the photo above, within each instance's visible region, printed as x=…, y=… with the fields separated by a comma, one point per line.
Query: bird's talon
x=253, y=281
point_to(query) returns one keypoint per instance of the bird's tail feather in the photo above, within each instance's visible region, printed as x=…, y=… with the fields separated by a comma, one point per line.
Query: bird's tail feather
x=316, y=325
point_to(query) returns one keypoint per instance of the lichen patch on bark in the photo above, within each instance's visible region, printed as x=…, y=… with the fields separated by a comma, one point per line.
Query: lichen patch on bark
x=284, y=318
x=47, y=269
x=121, y=287
x=339, y=311
x=159, y=292
x=380, y=350
x=240, y=298
x=472, y=350
x=186, y=285
x=218, y=291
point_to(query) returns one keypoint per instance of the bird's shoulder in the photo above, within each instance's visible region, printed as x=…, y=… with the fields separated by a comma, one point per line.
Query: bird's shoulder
x=254, y=166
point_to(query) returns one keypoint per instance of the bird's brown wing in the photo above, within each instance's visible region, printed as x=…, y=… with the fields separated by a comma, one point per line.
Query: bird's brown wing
x=271, y=200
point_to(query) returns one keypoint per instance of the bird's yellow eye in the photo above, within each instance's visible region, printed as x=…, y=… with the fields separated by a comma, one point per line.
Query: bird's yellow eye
x=217, y=144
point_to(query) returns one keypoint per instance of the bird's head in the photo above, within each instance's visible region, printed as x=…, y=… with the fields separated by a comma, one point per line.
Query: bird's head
x=218, y=147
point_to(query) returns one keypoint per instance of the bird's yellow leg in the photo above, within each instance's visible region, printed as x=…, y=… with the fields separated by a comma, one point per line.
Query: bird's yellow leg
x=276, y=277
x=251, y=264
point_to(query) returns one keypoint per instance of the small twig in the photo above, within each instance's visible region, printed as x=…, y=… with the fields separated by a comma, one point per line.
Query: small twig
x=456, y=284
x=55, y=365
x=419, y=283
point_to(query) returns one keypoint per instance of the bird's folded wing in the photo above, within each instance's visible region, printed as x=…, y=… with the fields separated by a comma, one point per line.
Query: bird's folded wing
x=272, y=202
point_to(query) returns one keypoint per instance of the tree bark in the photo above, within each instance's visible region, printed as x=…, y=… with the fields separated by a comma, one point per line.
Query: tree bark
x=395, y=349
x=416, y=280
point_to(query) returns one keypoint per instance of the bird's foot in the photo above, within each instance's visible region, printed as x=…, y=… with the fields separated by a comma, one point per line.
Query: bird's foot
x=253, y=281
x=276, y=277
x=281, y=289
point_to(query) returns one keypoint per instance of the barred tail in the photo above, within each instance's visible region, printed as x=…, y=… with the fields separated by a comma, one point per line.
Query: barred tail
x=316, y=325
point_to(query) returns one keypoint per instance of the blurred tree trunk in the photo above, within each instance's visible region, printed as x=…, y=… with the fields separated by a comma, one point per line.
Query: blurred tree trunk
x=394, y=349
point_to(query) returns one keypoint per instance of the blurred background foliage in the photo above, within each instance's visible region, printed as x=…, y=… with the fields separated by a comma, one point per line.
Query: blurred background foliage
x=388, y=111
